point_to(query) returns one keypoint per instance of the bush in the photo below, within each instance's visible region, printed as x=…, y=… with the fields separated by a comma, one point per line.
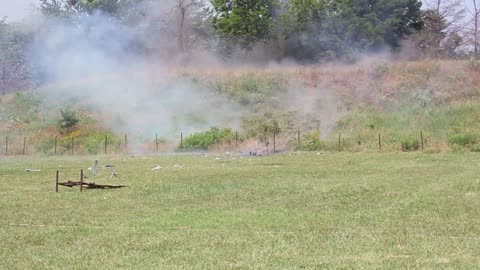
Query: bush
x=68, y=119
x=312, y=142
x=411, y=143
x=202, y=140
x=463, y=139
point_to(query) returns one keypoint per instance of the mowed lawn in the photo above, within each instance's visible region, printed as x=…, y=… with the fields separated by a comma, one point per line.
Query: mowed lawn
x=297, y=211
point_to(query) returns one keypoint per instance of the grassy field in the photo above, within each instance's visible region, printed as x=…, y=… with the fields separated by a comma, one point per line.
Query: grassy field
x=298, y=211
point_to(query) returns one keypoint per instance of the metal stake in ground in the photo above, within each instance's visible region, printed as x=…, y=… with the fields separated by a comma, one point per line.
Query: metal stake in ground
x=72, y=146
x=181, y=141
x=6, y=145
x=421, y=138
x=56, y=182
x=213, y=136
x=125, y=145
x=274, y=142
x=380, y=142
x=298, y=138
x=95, y=164
x=106, y=141
x=24, y=145
x=339, y=142
x=81, y=180
x=236, y=140
x=156, y=142
x=55, y=149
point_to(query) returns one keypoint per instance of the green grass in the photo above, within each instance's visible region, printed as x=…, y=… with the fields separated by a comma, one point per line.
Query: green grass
x=298, y=211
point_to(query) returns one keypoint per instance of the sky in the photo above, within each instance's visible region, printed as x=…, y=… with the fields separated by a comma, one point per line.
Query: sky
x=15, y=10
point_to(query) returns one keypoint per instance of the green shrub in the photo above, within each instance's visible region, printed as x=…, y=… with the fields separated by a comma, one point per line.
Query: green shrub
x=411, y=143
x=68, y=119
x=202, y=140
x=312, y=142
x=463, y=139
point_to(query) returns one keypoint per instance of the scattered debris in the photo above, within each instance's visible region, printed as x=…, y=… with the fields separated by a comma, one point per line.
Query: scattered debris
x=108, y=166
x=156, y=168
x=178, y=166
x=32, y=170
x=72, y=184
x=114, y=174
x=90, y=168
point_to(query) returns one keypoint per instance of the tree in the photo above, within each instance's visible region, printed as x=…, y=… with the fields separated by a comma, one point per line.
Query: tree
x=473, y=29
x=430, y=38
x=247, y=22
x=126, y=10
x=14, y=71
x=335, y=29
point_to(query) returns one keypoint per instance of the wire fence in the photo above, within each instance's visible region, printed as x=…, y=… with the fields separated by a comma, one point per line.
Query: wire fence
x=276, y=142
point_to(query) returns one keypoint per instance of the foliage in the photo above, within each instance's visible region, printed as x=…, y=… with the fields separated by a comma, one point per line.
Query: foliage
x=202, y=140
x=68, y=119
x=23, y=108
x=410, y=143
x=463, y=139
x=246, y=21
x=330, y=29
x=312, y=142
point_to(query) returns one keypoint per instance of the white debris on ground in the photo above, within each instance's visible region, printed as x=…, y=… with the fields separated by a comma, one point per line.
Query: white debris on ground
x=90, y=168
x=178, y=166
x=156, y=168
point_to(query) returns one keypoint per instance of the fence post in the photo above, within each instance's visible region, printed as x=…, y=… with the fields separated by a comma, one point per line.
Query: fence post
x=421, y=138
x=236, y=140
x=81, y=180
x=274, y=141
x=339, y=142
x=181, y=141
x=6, y=145
x=213, y=136
x=24, y=145
x=72, y=145
x=298, y=138
x=56, y=182
x=55, y=149
x=380, y=142
x=125, y=144
x=156, y=142
x=106, y=141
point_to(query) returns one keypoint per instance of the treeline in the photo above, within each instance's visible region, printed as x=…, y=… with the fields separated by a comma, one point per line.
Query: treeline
x=305, y=31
